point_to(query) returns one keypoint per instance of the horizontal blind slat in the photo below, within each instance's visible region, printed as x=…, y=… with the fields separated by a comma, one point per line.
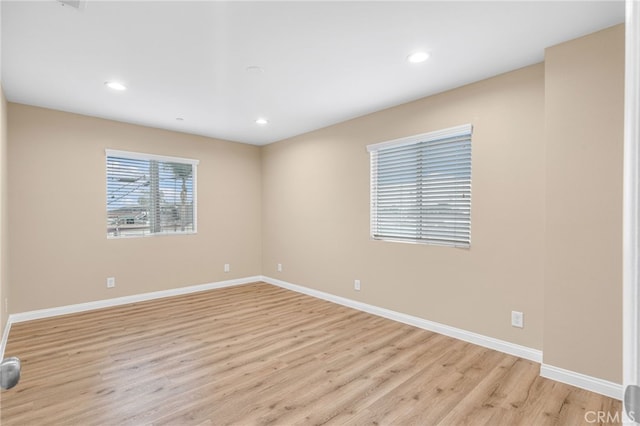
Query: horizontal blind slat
x=421, y=191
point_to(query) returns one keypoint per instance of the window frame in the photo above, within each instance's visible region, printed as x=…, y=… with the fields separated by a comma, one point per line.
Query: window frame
x=422, y=236
x=139, y=156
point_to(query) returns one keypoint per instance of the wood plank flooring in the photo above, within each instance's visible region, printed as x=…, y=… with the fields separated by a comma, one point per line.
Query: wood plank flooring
x=259, y=354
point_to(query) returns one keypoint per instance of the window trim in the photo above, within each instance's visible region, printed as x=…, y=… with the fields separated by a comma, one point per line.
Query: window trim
x=160, y=158
x=465, y=129
x=451, y=132
x=151, y=157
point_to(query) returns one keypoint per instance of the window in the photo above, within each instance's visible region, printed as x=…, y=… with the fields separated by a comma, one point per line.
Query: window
x=421, y=188
x=150, y=194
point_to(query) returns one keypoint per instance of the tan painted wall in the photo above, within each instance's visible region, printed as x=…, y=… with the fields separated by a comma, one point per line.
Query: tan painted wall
x=59, y=251
x=4, y=228
x=316, y=212
x=583, y=289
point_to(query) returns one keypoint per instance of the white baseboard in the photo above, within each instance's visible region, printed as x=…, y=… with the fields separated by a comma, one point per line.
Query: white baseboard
x=5, y=337
x=460, y=334
x=593, y=384
x=99, y=304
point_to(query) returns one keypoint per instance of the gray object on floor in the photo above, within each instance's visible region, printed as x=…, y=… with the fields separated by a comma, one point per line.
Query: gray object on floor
x=9, y=372
x=632, y=403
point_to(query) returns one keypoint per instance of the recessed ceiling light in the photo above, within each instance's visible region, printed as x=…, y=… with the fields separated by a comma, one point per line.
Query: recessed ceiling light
x=417, y=57
x=115, y=85
x=262, y=121
x=179, y=119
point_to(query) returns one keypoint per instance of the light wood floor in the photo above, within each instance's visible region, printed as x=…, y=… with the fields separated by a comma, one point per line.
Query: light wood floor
x=258, y=354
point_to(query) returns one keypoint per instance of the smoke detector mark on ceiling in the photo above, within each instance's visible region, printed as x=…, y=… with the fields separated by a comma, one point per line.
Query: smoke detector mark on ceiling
x=76, y=4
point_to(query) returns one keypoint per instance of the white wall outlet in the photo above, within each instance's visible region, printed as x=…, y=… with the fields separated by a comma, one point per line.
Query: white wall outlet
x=356, y=285
x=517, y=319
x=111, y=282
x=279, y=267
x=227, y=267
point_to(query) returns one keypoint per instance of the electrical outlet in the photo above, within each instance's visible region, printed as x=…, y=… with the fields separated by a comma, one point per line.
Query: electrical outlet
x=517, y=319
x=227, y=267
x=111, y=282
x=356, y=285
x=279, y=267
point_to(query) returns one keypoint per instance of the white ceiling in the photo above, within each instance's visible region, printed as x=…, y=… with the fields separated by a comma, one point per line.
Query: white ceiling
x=322, y=62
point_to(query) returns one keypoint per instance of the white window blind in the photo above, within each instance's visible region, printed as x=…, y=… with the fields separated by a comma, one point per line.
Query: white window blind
x=421, y=188
x=150, y=194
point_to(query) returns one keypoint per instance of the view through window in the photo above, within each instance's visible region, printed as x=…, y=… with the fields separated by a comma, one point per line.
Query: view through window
x=150, y=194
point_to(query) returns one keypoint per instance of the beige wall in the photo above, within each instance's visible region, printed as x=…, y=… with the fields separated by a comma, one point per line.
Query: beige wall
x=316, y=212
x=583, y=265
x=546, y=209
x=59, y=251
x=4, y=234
